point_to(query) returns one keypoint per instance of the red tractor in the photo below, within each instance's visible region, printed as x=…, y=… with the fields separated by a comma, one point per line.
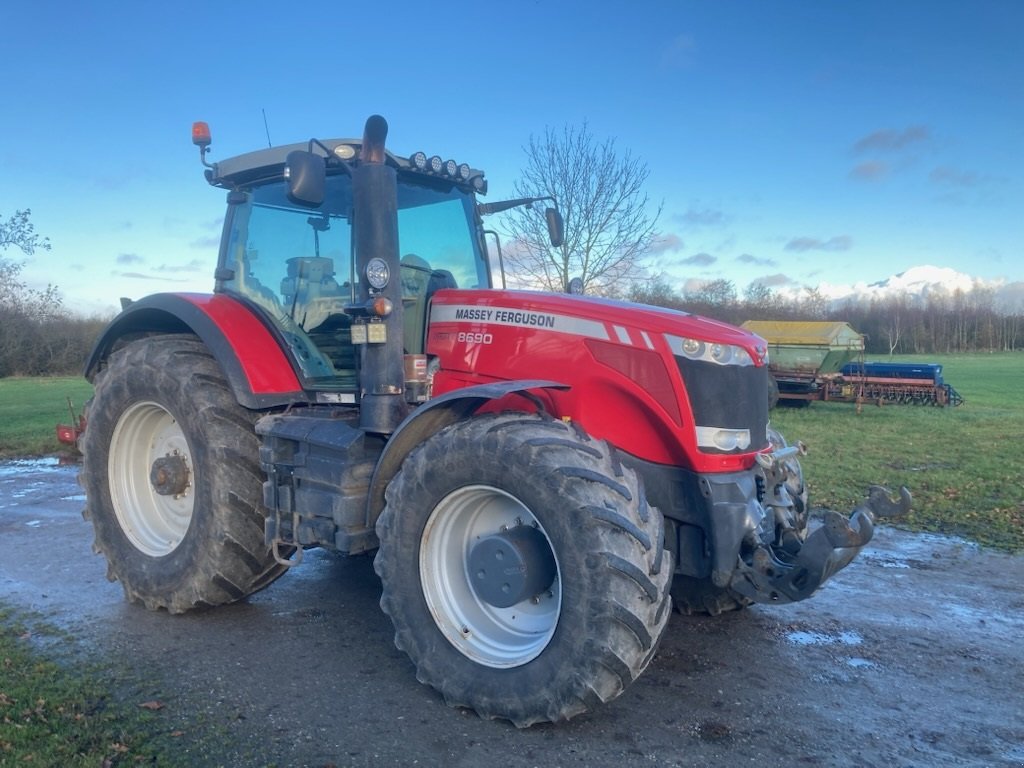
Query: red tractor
x=539, y=474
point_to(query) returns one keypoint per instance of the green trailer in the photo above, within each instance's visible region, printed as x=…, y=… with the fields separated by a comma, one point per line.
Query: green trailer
x=803, y=354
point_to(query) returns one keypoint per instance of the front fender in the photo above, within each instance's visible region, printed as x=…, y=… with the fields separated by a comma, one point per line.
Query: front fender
x=431, y=418
x=257, y=369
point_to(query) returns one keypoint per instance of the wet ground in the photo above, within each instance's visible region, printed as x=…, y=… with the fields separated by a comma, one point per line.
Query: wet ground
x=910, y=657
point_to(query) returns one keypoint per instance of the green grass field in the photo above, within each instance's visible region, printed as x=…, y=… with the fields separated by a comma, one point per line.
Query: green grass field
x=30, y=409
x=78, y=717
x=963, y=465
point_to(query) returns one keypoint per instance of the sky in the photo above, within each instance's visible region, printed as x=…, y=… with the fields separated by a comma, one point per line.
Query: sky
x=799, y=144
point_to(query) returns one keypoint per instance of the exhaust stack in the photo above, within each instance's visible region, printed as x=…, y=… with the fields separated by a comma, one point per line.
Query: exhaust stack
x=375, y=221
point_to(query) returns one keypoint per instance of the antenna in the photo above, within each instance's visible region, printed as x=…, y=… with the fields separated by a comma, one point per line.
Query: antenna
x=266, y=127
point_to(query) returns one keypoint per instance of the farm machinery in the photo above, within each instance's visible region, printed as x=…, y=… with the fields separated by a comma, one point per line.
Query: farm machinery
x=805, y=355
x=901, y=383
x=539, y=475
x=824, y=360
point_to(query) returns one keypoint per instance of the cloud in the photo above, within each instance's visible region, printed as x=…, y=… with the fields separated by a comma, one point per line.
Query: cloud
x=892, y=140
x=872, y=170
x=140, y=276
x=1011, y=296
x=705, y=217
x=680, y=52
x=777, y=280
x=953, y=177
x=196, y=265
x=838, y=243
x=665, y=243
x=129, y=258
x=746, y=258
x=698, y=260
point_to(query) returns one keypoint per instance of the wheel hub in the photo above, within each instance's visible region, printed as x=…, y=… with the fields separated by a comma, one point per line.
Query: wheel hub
x=509, y=567
x=169, y=475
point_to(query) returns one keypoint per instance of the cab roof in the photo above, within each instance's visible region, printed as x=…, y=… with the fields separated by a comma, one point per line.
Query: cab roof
x=267, y=164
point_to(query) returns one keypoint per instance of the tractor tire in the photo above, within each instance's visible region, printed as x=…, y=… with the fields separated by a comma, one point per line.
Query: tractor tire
x=773, y=392
x=172, y=479
x=592, y=625
x=693, y=596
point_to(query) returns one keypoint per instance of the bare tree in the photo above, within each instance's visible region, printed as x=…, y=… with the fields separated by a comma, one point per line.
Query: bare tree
x=894, y=328
x=600, y=194
x=16, y=296
x=24, y=311
x=719, y=292
x=813, y=303
x=18, y=231
x=656, y=291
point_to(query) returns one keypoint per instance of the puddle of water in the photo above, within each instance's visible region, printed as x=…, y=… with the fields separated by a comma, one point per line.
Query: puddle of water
x=21, y=466
x=801, y=637
x=34, y=523
x=899, y=547
x=80, y=497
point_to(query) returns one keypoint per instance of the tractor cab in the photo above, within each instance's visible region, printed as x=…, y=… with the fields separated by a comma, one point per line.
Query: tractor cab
x=296, y=261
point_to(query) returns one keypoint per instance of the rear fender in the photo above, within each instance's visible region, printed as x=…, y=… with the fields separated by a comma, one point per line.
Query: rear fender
x=431, y=418
x=257, y=369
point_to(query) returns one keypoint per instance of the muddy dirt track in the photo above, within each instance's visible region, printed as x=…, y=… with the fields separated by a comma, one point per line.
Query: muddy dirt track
x=910, y=657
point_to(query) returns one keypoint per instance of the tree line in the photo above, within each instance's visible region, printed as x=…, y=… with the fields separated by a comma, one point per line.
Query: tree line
x=939, y=323
x=38, y=336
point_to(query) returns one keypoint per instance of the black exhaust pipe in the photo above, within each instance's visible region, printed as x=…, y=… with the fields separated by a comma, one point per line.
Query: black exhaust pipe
x=375, y=222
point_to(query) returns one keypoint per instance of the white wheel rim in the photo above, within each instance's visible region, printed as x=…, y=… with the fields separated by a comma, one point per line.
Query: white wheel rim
x=154, y=523
x=495, y=637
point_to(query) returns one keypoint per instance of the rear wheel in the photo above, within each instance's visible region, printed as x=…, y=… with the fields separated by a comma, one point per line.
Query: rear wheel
x=522, y=568
x=172, y=479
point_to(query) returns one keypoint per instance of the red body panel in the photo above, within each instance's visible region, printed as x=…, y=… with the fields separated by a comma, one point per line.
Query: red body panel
x=626, y=387
x=264, y=364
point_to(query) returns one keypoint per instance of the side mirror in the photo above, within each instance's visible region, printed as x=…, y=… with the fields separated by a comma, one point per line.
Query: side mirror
x=556, y=227
x=307, y=177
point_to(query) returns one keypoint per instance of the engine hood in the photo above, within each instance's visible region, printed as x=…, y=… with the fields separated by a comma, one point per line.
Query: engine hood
x=619, y=319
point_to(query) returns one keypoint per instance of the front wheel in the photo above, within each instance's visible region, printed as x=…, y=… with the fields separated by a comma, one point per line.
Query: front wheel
x=522, y=568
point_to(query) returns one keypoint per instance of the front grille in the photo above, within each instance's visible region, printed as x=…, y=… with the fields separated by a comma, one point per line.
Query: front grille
x=728, y=397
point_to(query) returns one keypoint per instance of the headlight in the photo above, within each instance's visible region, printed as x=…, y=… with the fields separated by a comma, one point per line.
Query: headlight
x=719, y=354
x=723, y=439
x=693, y=348
x=377, y=273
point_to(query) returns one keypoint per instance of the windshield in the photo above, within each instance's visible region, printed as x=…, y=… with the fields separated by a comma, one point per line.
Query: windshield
x=297, y=265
